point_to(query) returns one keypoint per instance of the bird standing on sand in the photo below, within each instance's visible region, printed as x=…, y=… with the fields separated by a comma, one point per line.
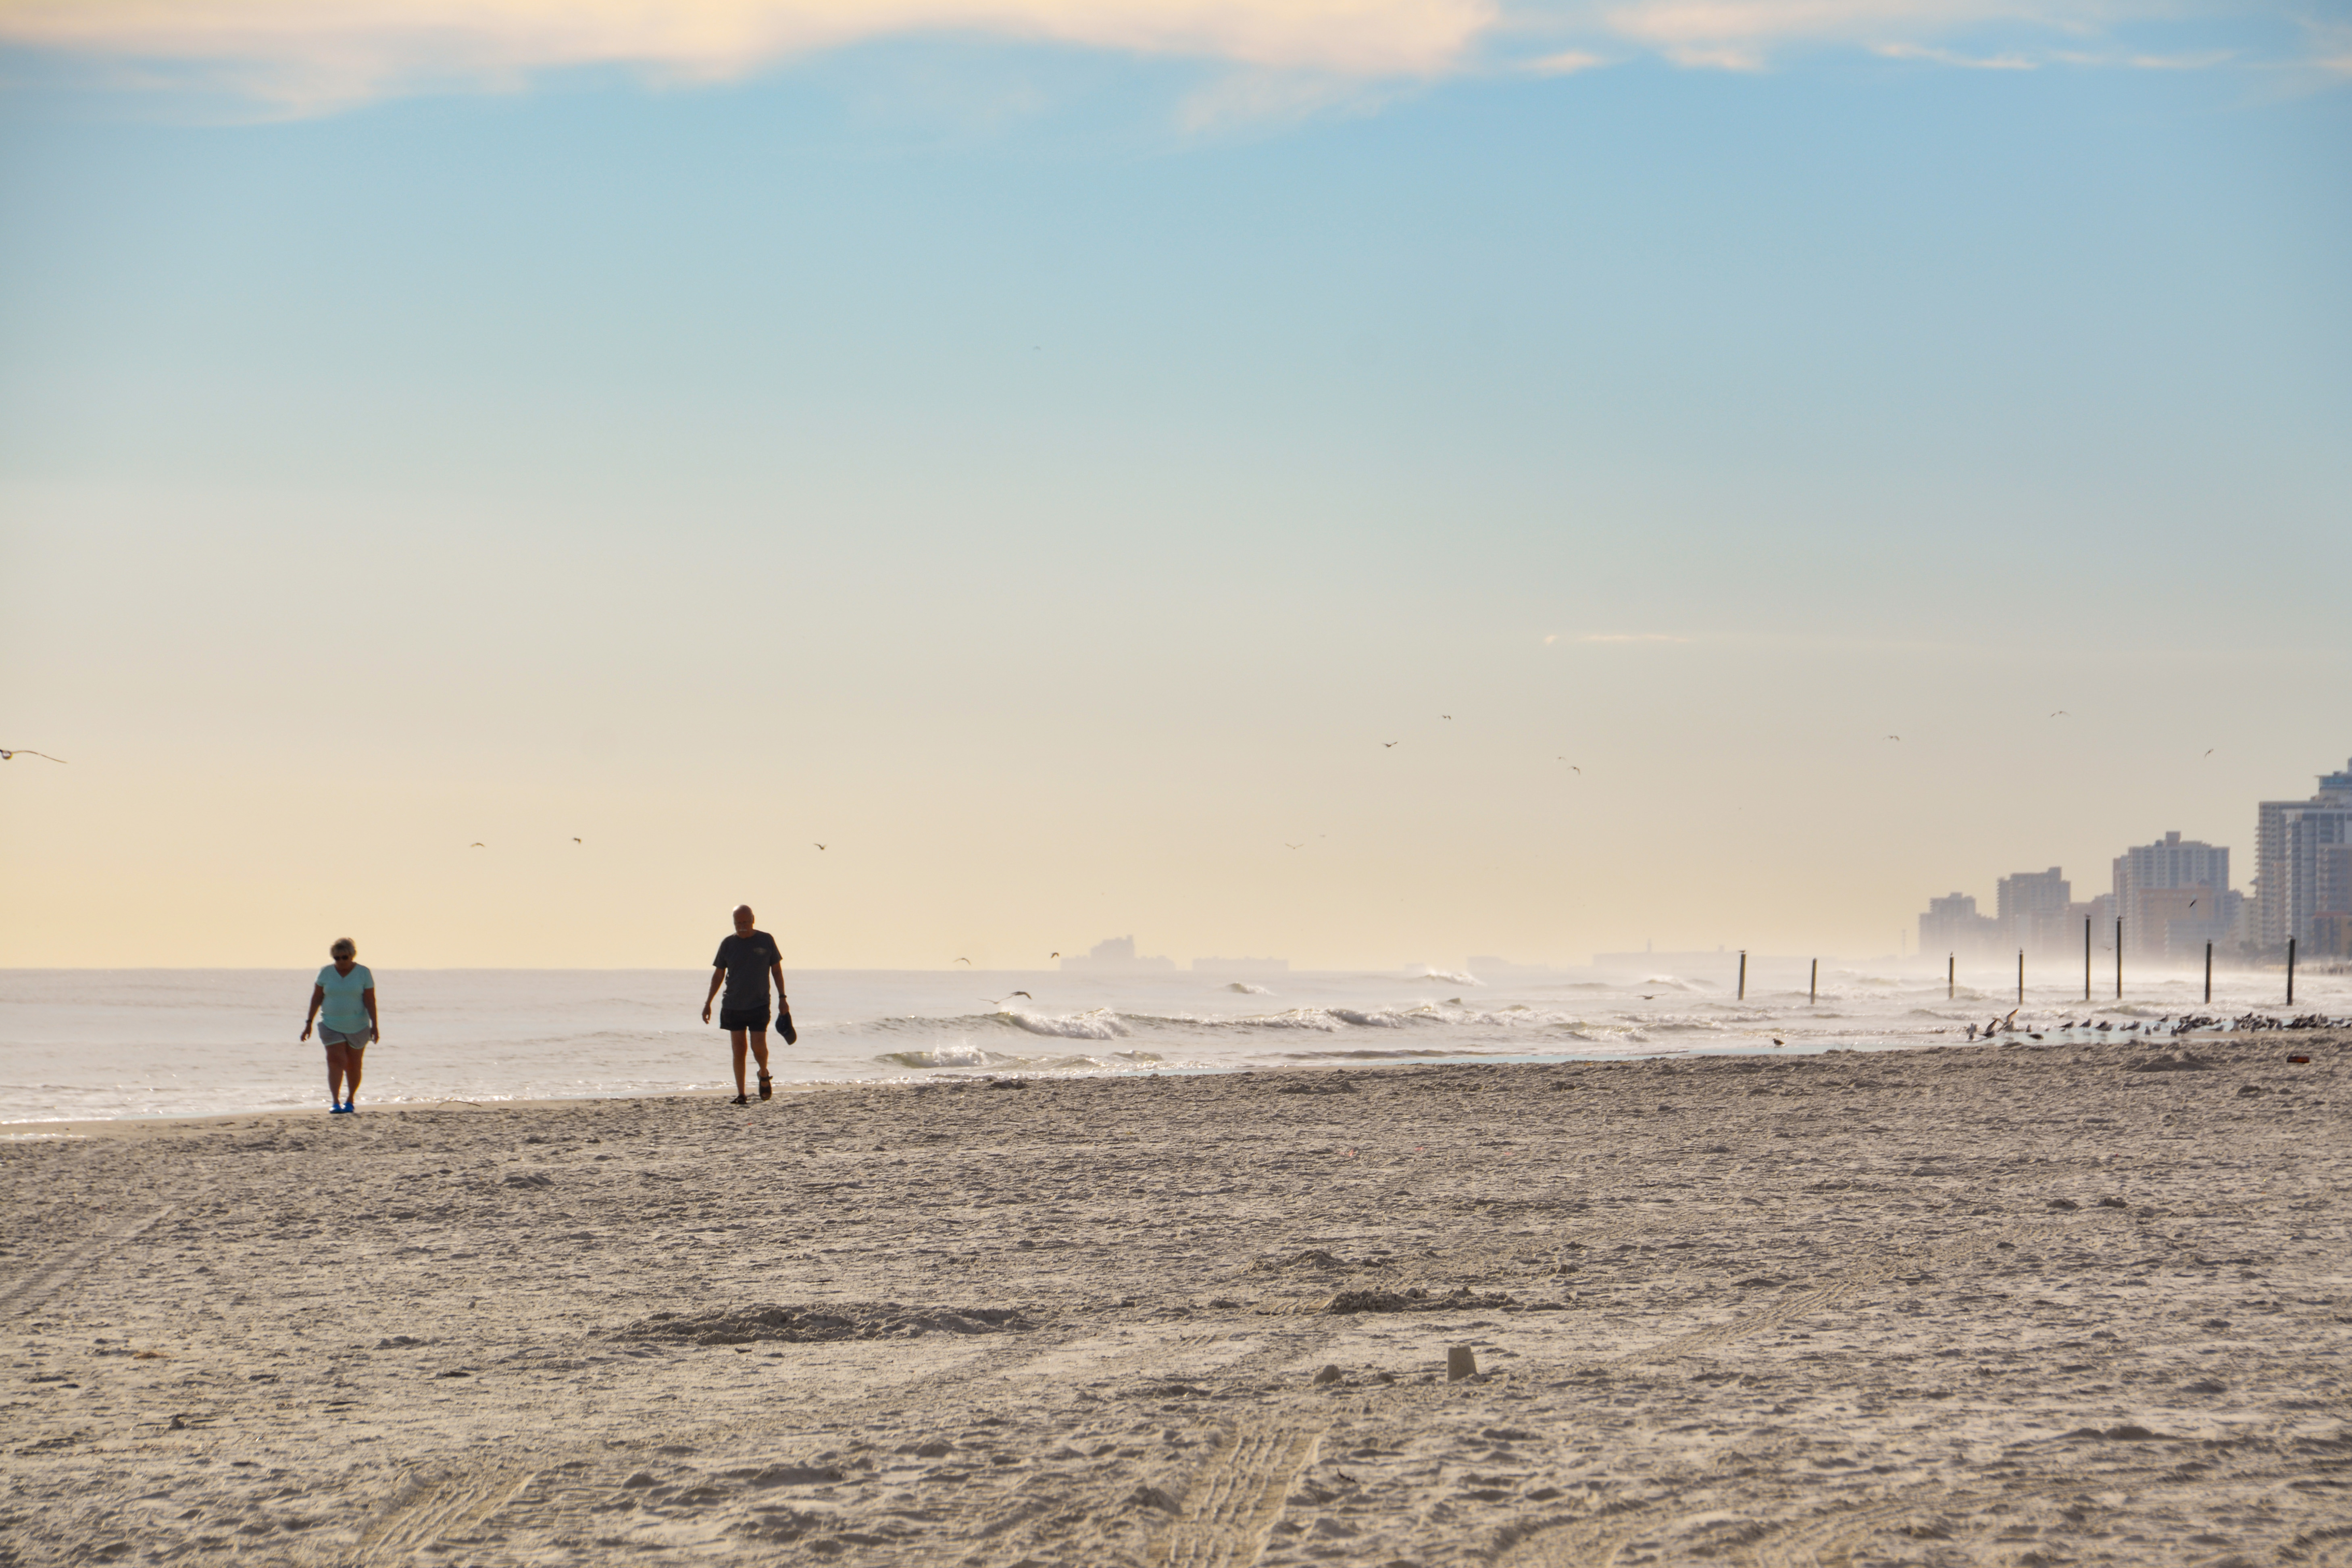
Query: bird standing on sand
x=20, y=751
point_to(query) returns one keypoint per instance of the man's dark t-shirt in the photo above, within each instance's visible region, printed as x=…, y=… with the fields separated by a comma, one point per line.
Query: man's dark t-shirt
x=746, y=960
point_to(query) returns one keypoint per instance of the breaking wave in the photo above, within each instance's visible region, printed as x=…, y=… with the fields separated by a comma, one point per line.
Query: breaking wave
x=965, y=1055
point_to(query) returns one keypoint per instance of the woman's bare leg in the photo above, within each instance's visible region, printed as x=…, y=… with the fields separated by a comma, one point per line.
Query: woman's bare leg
x=354, y=1057
x=338, y=1064
x=737, y=1037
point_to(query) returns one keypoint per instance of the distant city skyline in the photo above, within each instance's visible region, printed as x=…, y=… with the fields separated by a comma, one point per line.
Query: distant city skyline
x=2174, y=896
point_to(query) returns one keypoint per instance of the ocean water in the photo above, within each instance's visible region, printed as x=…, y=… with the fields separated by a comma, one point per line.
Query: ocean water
x=96, y=1044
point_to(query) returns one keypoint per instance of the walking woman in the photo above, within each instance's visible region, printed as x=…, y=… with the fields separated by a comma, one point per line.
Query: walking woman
x=348, y=992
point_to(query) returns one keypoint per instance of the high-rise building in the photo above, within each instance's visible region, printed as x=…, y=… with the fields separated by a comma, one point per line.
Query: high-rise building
x=2171, y=896
x=2033, y=907
x=2294, y=877
x=2033, y=894
x=1952, y=925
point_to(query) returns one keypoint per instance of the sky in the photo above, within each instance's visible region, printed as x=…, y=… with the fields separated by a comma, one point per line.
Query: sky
x=1361, y=481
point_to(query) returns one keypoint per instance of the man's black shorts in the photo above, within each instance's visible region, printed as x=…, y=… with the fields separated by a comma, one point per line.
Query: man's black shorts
x=744, y=1018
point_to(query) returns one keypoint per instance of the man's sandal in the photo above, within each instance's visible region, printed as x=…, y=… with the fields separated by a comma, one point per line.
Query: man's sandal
x=767, y=1086
x=740, y=1100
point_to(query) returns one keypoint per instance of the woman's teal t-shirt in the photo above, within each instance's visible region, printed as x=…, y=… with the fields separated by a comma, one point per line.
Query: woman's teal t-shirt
x=342, y=1011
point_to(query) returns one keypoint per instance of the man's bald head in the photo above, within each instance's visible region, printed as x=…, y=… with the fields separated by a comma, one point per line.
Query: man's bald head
x=743, y=919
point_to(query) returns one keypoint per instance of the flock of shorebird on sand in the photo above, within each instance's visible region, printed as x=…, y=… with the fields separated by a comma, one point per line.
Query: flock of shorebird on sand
x=2007, y=1024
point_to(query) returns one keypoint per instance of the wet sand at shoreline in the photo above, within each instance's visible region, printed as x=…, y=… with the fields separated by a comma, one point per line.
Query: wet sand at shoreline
x=2004, y=1305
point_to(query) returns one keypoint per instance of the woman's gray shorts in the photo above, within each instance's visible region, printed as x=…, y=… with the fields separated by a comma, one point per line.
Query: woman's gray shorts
x=356, y=1040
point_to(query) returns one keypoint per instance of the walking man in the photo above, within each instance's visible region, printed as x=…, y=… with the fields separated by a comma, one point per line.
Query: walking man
x=744, y=964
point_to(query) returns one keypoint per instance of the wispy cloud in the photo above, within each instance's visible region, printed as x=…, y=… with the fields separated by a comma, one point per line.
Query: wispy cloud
x=1287, y=56
x=1750, y=35
x=1625, y=637
x=2331, y=46
x=363, y=47
x=1567, y=62
x=1949, y=58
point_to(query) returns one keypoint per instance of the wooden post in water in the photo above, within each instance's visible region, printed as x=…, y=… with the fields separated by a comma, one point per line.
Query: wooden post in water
x=2290, y=971
x=2119, y=961
x=1743, y=974
x=2087, y=959
x=1951, y=968
x=2020, y=977
x=2209, y=972
x=1813, y=986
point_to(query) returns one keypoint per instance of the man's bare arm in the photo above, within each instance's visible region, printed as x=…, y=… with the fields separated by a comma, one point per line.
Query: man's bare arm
x=718, y=978
x=777, y=970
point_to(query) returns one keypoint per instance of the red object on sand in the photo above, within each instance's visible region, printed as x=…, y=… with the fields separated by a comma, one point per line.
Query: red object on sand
x=2298, y=1058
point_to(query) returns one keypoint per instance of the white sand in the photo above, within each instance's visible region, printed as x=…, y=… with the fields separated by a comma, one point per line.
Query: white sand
x=1811, y=1310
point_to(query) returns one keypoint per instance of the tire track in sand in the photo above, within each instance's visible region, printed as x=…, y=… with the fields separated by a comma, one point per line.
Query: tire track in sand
x=1592, y=1541
x=29, y=1291
x=430, y=1511
x=1236, y=1498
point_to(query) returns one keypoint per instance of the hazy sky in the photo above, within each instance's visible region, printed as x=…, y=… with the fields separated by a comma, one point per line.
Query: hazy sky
x=1043, y=451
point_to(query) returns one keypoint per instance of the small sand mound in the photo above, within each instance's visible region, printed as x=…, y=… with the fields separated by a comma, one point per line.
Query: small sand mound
x=1410, y=1302
x=799, y=1325
x=1318, y=1084
x=2183, y=1063
x=1313, y=1258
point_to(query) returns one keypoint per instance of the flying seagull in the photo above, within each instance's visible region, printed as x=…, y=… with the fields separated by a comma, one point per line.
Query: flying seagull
x=1386, y=744
x=478, y=844
x=819, y=846
x=964, y=961
x=2061, y=713
x=1053, y=955
x=1894, y=737
x=1001, y=1001
x=1447, y=716
x=20, y=751
x=2209, y=751
x=576, y=838
x=1287, y=844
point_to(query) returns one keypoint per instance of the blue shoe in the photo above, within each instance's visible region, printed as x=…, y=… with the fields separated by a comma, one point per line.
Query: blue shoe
x=341, y=1110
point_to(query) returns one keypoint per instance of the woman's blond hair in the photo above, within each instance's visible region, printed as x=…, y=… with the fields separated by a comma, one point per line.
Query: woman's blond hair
x=345, y=948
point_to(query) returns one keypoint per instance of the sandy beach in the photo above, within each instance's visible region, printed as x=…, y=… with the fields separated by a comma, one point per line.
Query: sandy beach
x=2018, y=1304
